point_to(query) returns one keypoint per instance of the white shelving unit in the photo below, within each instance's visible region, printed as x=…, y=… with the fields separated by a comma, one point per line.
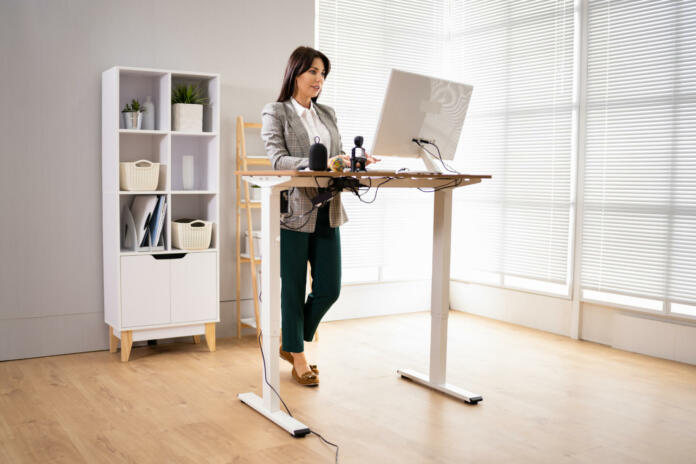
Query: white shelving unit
x=170, y=292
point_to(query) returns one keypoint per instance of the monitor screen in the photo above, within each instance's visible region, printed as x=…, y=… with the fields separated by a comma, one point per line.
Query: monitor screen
x=423, y=107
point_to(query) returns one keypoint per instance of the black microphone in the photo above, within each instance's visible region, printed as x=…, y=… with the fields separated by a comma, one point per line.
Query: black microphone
x=358, y=161
x=318, y=157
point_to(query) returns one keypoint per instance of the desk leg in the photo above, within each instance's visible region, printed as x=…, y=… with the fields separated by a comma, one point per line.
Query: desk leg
x=269, y=405
x=439, y=310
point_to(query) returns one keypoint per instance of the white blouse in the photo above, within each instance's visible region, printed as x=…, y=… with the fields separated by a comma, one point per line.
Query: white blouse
x=313, y=125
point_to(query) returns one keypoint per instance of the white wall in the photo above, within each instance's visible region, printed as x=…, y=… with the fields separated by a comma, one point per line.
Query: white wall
x=622, y=329
x=52, y=55
x=367, y=300
x=528, y=309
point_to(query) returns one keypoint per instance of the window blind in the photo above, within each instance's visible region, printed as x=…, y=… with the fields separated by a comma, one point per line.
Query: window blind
x=639, y=231
x=364, y=40
x=514, y=230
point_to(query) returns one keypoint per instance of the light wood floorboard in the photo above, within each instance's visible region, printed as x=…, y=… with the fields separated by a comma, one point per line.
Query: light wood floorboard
x=547, y=399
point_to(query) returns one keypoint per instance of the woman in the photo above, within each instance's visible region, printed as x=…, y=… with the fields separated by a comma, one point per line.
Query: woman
x=290, y=126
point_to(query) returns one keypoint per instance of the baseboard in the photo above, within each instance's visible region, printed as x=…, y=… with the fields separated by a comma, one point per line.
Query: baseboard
x=634, y=332
x=52, y=335
x=621, y=329
x=380, y=299
x=522, y=308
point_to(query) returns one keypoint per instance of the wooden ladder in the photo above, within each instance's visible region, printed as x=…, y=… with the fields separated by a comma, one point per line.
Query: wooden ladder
x=244, y=203
x=243, y=163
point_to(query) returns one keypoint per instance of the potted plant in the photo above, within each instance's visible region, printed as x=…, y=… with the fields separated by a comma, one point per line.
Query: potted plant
x=133, y=114
x=255, y=193
x=187, y=109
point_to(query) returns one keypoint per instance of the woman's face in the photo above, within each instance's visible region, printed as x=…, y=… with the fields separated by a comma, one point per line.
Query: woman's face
x=309, y=83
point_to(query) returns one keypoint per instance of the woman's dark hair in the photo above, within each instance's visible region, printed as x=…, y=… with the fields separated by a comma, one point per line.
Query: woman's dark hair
x=300, y=61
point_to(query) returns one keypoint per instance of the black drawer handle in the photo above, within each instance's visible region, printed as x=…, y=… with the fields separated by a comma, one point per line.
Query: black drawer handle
x=170, y=256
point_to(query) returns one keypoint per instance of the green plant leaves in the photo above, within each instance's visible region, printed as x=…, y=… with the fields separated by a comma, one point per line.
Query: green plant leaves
x=188, y=94
x=133, y=107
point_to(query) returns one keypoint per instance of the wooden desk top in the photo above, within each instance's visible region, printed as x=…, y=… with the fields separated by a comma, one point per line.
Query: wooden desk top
x=382, y=174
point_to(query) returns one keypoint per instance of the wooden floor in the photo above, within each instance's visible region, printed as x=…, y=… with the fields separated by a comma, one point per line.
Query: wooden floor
x=547, y=399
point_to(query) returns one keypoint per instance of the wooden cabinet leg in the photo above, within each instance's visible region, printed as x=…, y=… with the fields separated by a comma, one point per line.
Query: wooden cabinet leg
x=113, y=341
x=196, y=339
x=210, y=335
x=126, y=344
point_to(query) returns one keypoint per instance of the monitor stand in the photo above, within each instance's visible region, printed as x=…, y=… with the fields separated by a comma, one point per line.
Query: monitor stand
x=432, y=163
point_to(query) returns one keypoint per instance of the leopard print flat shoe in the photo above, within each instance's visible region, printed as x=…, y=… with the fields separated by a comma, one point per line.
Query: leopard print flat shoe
x=288, y=357
x=308, y=379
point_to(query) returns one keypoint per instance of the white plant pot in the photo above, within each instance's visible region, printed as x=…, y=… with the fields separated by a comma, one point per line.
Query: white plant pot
x=132, y=119
x=187, y=117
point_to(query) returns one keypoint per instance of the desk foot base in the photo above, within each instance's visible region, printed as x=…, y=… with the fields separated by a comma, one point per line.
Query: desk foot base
x=294, y=427
x=447, y=389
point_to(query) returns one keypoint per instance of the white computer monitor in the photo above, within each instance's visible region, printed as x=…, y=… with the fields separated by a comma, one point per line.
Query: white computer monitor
x=421, y=107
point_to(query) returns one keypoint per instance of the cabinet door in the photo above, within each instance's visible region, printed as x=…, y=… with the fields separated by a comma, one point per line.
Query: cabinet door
x=194, y=287
x=145, y=291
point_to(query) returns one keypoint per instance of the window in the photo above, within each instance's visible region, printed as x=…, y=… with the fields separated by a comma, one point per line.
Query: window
x=518, y=56
x=639, y=225
x=639, y=141
x=514, y=231
x=388, y=239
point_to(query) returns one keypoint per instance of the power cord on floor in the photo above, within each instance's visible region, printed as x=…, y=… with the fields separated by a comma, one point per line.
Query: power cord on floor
x=265, y=378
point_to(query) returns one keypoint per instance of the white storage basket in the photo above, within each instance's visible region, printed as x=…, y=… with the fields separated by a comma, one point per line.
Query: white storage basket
x=139, y=175
x=191, y=234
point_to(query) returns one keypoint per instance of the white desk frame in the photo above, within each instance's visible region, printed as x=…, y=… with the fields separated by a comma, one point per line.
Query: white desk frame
x=271, y=186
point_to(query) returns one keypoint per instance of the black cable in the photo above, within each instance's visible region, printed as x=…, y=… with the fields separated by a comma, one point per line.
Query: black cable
x=376, y=190
x=337, y=187
x=451, y=184
x=265, y=378
x=352, y=188
x=304, y=224
x=356, y=190
x=291, y=213
x=439, y=155
x=327, y=442
x=308, y=213
x=368, y=187
x=317, y=182
x=328, y=187
x=419, y=142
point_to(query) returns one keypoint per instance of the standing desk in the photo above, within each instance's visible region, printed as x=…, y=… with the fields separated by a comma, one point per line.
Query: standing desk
x=272, y=183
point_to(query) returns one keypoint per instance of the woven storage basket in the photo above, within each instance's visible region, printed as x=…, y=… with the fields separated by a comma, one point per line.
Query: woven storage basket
x=139, y=175
x=191, y=234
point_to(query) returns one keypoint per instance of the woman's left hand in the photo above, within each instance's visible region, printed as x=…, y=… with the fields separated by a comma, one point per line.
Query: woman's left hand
x=372, y=159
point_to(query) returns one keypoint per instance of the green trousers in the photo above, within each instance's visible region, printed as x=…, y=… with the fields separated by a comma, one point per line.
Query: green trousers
x=322, y=248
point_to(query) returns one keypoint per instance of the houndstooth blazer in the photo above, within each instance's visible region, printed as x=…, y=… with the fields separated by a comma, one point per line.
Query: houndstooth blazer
x=287, y=145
